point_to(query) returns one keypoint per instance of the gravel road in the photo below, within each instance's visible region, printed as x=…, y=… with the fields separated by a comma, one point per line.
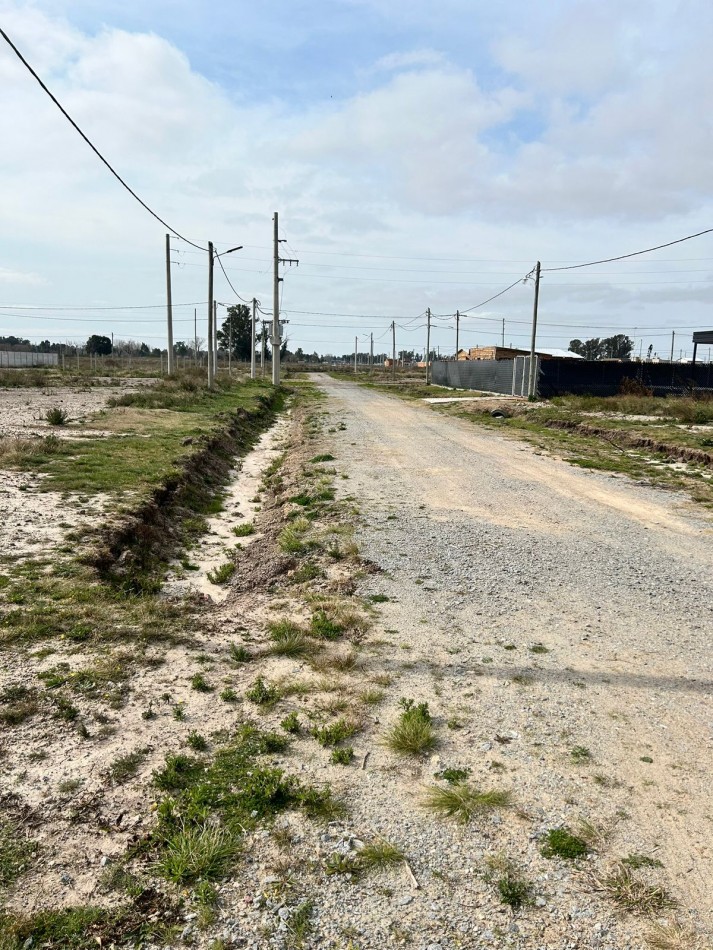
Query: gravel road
x=489, y=549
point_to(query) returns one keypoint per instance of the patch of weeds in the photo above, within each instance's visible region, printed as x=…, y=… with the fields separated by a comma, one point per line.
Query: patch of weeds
x=647, y=759
x=179, y=772
x=299, y=925
x=637, y=861
x=179, y=712
x=514, y=889
x=262, y=693
x=342, y=756
x=454, y=723
x=196, y=741
x=335, y=733
x=463, y=801
x=633, y=894
x=228, y=695
x=222, y=574
x=308, y=571
x=509, y=646
x=325, y=457
x=64, y=709
x=291, y=539
x=413, y=732
x=126, y=767
x=56, y=416
x=372, y=697
x=195, y=852
x=69, y=786
x=288, y=639
x=453, y=776
x=205, y=895
x=380, y=854
x=244, y=529
x=321, y=625
x=561, y=843
x=239, y=654
x=538, y=648
x=671, y=935
x=200, y=684
x=15, y=854
x=291, y=723
x=580, y=754
x=522, y=679
x=378, y=598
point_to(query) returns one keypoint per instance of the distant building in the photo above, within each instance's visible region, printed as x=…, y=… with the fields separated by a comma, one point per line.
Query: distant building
x=509, y=353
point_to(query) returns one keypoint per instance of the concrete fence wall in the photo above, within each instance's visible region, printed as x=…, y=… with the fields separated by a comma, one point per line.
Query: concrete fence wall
x=19, y=358
x=509, y=377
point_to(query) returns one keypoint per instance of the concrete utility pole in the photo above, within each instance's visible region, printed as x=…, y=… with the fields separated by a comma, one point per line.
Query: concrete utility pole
x=503, y=339
x=210, y=313
x=371, y=354
x=531, y=388
x=428, y=346
x=393, y=350
x=215, y=338
x=673, y=340
x=195, y=336
x=276, y=341
x=356, y=347
x=169, y=306
x=262, y=350
x=252, y=343
x=457, y=332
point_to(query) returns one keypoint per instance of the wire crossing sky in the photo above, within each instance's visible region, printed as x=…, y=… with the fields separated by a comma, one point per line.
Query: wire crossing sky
x=416, y=159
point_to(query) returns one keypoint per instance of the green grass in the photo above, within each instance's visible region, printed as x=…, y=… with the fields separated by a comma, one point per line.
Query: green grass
x=288, y=639
x=335, y=732
x=196, y=741
x=126, y=767
x=291, y=724
x=463, y=802
x=238, y=653
x=244, y=529
x=222, y=573
x=197, y=852
x=413, y=732
x=201, y=684
x=262, y=693
x=632, y=894
x=84, y=928
x=580, y=754
x=561, y=843
x=324, y=627
x=16, y=852
x=514, y=889
x=343, y=756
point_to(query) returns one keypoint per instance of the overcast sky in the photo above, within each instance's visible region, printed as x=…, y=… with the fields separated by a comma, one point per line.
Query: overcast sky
x=420, y=154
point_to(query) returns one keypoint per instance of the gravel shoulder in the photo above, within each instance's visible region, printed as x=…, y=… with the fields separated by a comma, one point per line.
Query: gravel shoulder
x=490, y=550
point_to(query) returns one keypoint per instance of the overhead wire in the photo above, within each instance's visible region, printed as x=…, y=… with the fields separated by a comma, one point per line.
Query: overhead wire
x=622, y=257
x=91, y=145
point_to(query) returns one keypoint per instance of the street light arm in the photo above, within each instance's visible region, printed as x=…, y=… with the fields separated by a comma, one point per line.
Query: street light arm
x=230, y=251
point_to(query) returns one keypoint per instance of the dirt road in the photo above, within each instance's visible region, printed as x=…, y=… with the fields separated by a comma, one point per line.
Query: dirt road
x=490, y=550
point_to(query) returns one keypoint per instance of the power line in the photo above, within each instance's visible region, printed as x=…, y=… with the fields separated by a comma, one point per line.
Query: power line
x=229, y=284
x=150, y=306
x=520, y=280
x=621, y=257
x=91, y=145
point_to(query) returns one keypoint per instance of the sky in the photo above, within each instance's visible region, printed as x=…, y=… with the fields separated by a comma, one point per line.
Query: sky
x=420, y=155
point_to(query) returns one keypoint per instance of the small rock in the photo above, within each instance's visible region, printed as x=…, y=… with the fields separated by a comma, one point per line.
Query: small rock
x=405, y=900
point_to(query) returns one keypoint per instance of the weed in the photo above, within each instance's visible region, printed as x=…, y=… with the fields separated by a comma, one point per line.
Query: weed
x=65, y=709
x=637, y=861
x=196, y=741
x=288, y=639
x=15, y=853
x=335, y=733
x=342, y=756
x=196, y=852
x=200, y=684
x=522, y=679
x=514, y=889
x=380, y=854
x=671, y=935
x=57, y=416
x=179, y=772
x=239, y=654
x=379, y=598
x=70, y=785
x=561, y=843
x=538, y=648
x=580, y=753
x=462, y=801
x=291, y=723
x=222, y=574
x=179, y=712
x=299, y=925
x=291, y=539
x=326, y=457
x=262, y=693
x=341, y=662
x=647, y=759
x=454, y=723
x=323, y=626
x=228, y=695
x=149, y=713
x=413, y=733
x=453, y=776
x=372, y=697
x=244, y=529
x=205, y=894
x=635, y=895
x=126, y=767
x=308, y=571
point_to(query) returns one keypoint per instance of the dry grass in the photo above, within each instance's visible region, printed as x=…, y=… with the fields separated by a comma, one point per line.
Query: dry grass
x=463, y=802
x=672, y=935
x=633, y=894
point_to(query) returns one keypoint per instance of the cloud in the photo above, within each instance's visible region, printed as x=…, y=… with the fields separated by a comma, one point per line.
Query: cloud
x=26, y=278
x=409, y=60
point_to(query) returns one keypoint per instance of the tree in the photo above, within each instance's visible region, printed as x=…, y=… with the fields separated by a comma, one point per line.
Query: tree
x=236, y=332
x=14, y=341
x=618, y=347
x=100, y=345
x=181, y=348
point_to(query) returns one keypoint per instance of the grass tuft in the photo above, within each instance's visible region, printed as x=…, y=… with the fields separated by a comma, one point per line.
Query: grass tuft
x=413, y=733
x=222, y=574
x=197, y=852
x=463, y=802
x=262, y=693
x=561, y=843
x=633, y=894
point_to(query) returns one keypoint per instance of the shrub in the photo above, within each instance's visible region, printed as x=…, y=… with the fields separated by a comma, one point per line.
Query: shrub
x=57, y=416
x=463, y=801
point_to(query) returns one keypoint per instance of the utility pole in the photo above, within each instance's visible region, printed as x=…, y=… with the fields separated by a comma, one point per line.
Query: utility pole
x=428, y=346
x=457, y=332
x=503, y=339
x=230, y=346
x=276, y=341
x=195, y=336
x=673, y=340
x=252, y=342
x=532, y=383
x=262, y=351
x=356, y=346
x=215, y=338
x=393, y=350
x=371, y=354
x=210, y=313
x=169, y=307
